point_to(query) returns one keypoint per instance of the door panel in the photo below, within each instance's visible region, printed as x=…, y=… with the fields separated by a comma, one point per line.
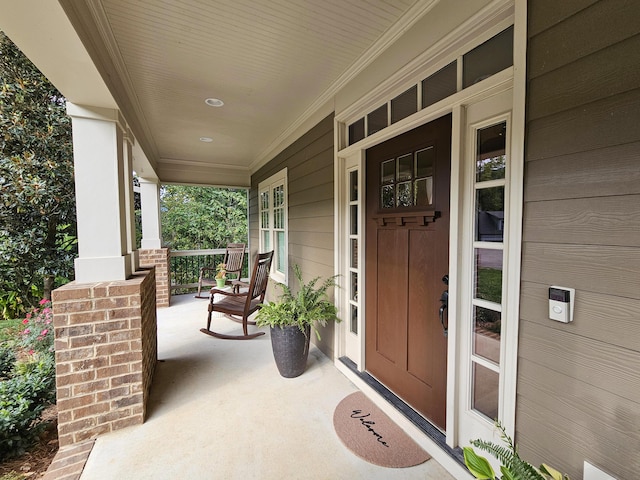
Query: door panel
x=407, y=242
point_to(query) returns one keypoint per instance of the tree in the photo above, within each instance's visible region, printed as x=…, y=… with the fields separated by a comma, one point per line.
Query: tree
x=37, y=197
x=201, y=217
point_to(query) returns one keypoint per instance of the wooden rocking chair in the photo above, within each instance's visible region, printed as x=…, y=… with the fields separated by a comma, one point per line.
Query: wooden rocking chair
x=237, y=306
x=233, y=259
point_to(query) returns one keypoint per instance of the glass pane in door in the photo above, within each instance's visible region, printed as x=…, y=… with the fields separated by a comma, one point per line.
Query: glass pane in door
x=488, y=275
x=486, y=334
x=485, y=391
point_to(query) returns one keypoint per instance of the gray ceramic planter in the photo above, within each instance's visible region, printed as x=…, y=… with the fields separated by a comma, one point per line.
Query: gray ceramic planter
x=290, y=349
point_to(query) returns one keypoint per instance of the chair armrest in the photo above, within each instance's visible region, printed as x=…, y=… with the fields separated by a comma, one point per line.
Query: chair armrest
x=215, y=291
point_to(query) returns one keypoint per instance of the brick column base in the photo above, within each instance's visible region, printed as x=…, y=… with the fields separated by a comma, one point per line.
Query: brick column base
x=159, y=258
x=106, y=351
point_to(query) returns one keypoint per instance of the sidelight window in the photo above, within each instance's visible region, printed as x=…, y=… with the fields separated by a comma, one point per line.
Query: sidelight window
x=488, y=256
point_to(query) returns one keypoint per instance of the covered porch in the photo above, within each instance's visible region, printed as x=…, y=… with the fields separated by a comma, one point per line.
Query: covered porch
x=219, y=409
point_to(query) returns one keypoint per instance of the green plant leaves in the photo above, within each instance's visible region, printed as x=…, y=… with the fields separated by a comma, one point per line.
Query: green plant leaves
x=477, y=465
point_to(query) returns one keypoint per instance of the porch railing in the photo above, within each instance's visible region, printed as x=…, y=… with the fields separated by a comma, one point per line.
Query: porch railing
x=186, y=264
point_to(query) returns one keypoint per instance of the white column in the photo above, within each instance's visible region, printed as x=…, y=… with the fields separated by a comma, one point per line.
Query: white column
x=130, y=215
x=98, y=156
x=150, y=201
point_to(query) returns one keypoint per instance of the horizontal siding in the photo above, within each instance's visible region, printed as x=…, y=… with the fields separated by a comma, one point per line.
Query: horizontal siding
x=600, y=75
x=589, y=30
x=612, y=270
x=552, y=12
x=611, y=220
x=594, y=363
x=593, y=311
x=309, y=163
x=578, y=383
x=600, y=124
x=596, y=173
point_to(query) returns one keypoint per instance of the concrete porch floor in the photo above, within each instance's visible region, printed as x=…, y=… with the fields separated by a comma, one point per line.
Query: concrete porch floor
x=220, y=410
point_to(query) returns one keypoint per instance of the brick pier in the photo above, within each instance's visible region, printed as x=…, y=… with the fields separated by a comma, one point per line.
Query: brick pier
x=159, y=258
x=106, y=352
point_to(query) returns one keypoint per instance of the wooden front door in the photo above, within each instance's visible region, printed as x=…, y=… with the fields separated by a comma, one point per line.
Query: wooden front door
x=407, y=255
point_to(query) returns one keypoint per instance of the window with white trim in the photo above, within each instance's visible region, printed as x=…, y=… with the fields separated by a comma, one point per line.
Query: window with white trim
x=272, y=199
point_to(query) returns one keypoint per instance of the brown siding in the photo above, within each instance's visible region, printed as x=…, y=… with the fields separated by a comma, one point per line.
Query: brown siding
x=309, y=161
x=579, y=384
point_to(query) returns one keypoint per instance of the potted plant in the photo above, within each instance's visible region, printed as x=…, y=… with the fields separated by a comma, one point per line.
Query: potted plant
x=221, y=275
x=291, y=319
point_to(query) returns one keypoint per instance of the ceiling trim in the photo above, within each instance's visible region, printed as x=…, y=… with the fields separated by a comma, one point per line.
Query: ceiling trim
x=410, y=18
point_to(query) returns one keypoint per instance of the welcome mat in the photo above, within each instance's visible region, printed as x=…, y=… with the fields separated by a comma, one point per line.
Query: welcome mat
x=369, y=433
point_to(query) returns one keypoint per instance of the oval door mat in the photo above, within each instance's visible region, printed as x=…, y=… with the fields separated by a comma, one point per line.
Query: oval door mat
x=369, y=433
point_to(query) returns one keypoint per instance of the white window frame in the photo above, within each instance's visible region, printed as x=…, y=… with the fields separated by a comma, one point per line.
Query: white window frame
x=269, y=186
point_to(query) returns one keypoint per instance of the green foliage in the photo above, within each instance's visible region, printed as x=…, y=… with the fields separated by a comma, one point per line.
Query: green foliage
x=512, y=466
x=195, y=218
x=309, y=306
x=37, y=201
x=7, y=361
x=23, y=398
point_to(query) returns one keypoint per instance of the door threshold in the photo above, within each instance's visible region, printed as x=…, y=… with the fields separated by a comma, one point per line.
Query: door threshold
x=414, y=417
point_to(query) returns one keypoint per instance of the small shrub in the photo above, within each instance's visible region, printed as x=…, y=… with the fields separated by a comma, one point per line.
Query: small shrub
x=37, y=335
x=7, y=361
x=22, y=401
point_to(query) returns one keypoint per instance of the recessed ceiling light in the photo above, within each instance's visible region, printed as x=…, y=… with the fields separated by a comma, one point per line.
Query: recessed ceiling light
x=214, y=102
x=206, y=139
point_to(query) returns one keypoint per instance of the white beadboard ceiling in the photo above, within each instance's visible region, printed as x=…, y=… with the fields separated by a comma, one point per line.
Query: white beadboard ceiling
x=268, y=60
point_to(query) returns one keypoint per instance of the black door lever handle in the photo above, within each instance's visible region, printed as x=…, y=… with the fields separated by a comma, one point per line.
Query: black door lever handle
x=444, y=299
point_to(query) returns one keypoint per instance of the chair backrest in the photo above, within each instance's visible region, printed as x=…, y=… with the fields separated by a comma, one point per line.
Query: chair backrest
x=260, y=276
x=234, y=258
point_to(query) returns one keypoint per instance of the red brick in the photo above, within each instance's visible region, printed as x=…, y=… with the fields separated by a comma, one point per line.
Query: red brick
x=127, y=401
x=132, y=287
x=114, y=415
x=65, y=416
x=90, y=316
x=64, y=440
x=74, y=378
x=86, y=340
x=126, y=379
x=112, y=371
x=90, y=387
x=75, y=354
x=109, y=349
x=63, y=392
x=112, y=302
x=90, y=410
x=70, y=292
x=128, y=357
x=127, y=422
x=113, y=393
x=121, y=335
x=75, y=426
x=74, y=331
x=91, y=433
x=89, y=364
x=111, y=325
x=76, y=306
x=76, y=402
x=118, y=313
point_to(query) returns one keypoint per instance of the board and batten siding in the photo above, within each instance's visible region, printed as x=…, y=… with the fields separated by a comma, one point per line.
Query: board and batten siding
x=578, y=394
x=309, y=163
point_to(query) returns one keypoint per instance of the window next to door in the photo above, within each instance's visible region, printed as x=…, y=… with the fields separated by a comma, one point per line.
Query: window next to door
x=272, y=198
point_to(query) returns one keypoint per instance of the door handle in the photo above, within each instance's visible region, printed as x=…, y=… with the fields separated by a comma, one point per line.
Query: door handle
x=444, y=299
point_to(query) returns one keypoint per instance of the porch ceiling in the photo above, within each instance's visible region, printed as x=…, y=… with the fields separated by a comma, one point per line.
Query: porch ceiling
x=274, y=63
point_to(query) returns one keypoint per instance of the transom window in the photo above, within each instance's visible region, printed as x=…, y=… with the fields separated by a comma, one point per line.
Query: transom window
x=272, y=198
